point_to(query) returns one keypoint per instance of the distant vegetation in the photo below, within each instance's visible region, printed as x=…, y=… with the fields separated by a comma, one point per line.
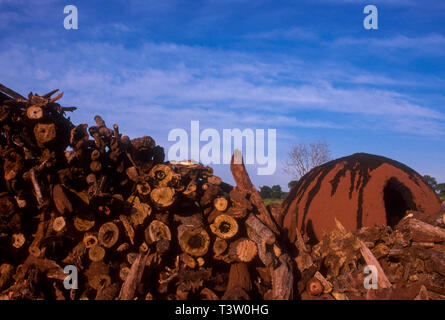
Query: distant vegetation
x=272, y=194
x=438, y=187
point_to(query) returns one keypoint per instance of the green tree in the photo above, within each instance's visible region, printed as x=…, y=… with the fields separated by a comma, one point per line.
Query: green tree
x=265, y=192
x=431, y=181
x=440, y=187
x=292, y=184
x=277, y=193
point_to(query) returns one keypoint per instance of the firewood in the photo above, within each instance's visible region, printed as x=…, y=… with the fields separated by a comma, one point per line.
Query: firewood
x=277, y=213
x=163, y=197
x=59, y=224
x=237, y=212
x=140, y=211
x=194, y=241
x=143, y=247
x=239, y=284
x=61, y=201
x=108, y=235
x=283, y=279
x=423, y=232
x=98, y=275
x=124, y=271
x=314, y=287
x=37, y=189
x=76, y=255
x=190, y=190
x=96, y=253
x=143, y=189
x=34, y=248
x=83, y=224
x=219, y=246
x=220, y=204
x=133, y=278
x=224, y=226
x=208, y=294
x=327, y=286
x=44, y=133
x=90, y=240
x=438, y=261
x=303, y=260
x=157, y=231
x=371, y=260
x=214, y=180
x=243, y=250
x=262, y=233
x=162, y=246
x=108, y=292
x=129, y=231
x=161, y=174
x=244, y=184
x=95, y=166
x=18, y=240
x=239, y=199
x=188, y=260
x=34, y=112
x=210, y=193
x=6, y=271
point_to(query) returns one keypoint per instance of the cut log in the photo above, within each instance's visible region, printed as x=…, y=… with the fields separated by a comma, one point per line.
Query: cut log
x=143, y=189
x=243, y=250
x=96, y=253
x=214, y=180
x=420, y=231
x=6, y=272
x=382, y=280
x=327, y=286
x=127, y=227
x=264, y=233
x=161, y=174
x=90, y=240
x=220, y=204
x=239, y=199
x=163, y=197
x=157, y=231
x=133, y=279
x=239, y=285
x=314, y=287
x=18, y=240
x=224, y=226
x=219, y=246
x=44, y=133
x=283, y=279
x=108, y=235
x=98, y=275
x=83, y=224
x=59, y=224
x=243, y=182
x=304, y=259
x=34, y=112
x=195, y=242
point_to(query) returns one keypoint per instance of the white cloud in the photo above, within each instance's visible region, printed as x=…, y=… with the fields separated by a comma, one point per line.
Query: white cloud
x=433, y=43
x=227, y=85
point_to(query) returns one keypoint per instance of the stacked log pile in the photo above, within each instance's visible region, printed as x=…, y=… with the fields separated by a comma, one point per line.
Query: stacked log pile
x=137, y=227
x=409, y=261
x=132, y=225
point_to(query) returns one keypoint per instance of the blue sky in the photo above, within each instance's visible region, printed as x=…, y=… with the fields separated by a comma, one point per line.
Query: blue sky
x=307, y=68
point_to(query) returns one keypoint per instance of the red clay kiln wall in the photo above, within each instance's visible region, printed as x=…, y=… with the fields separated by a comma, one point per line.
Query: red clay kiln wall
x=351, y=190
